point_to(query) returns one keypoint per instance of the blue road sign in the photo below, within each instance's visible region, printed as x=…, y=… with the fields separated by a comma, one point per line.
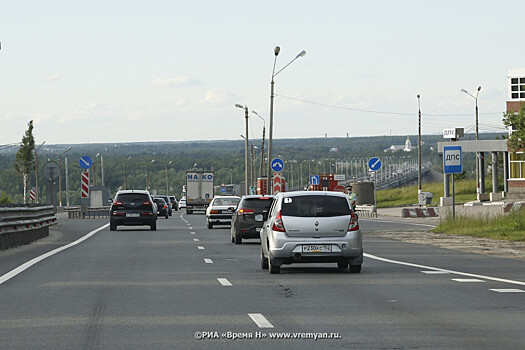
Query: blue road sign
x=85, y=162
x=314, y=180
x=277, y=164
x=452, y=160
x=374, y=163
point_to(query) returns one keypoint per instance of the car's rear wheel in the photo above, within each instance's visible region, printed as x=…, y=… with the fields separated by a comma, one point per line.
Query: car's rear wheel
x=355, y=268
x=264, y=261
x=238, y=239
x=166, y=216
x=272, y=264
x=210, y=225
x=112, y=227
x=153, y=226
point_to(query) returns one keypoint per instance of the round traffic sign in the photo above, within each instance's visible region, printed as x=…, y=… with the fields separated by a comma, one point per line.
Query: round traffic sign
x=277, y=164
x=51, y=170
x=85, y=162
x=374, y=163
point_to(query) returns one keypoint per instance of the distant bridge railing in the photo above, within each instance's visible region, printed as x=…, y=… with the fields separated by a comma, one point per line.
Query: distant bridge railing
x=87, y=213
x=23, y=224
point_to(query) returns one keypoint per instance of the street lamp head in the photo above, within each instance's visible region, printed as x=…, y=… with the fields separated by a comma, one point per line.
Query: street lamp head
x=418, y=96
x=239, y=106
x=301, y=54
x=276, y=50
x=153, y=161
x=465, y=91
x=479, y=88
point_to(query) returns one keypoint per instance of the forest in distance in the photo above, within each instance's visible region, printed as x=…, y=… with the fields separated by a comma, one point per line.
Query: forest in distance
x=163, y=165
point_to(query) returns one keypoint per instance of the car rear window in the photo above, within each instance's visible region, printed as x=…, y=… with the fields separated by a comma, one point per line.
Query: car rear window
x=315, y=206
x=257, y=203
x=132, y=198
x=226, y=201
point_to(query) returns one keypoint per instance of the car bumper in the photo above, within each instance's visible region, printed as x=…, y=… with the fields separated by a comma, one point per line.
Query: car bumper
x=220, y=218
x=124, y=221
x=288, y=249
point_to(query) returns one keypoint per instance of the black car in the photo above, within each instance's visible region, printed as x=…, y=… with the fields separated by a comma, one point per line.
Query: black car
x=248, y=218
x=132, y=208
x=162, y=207
x=168, y=202
x=174, y=204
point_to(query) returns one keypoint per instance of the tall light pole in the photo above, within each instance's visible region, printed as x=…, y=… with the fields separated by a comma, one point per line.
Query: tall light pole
x=59, y=159
x=262, y=143
x=167, y=183
x=419, y=149
x=246, y=151
x=36, y=173
x=147, y=185
x=276, y=51
x=125, y=173
x=479, y=189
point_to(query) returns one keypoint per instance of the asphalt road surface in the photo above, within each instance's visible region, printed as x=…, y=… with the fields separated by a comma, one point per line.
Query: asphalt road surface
x=187, y=287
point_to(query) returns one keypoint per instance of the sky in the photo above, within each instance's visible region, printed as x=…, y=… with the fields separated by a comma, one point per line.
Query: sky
x=168, y=70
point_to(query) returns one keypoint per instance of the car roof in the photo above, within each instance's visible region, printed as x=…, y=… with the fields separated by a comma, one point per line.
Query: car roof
x=226, y=197
x=311, y=193
x=250, y=196
x=133, y=191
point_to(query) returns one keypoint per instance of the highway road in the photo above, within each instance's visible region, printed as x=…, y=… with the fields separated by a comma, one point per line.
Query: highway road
x=187, y=287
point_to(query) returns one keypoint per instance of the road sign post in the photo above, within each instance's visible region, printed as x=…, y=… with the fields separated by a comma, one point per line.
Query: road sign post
x=452, y=164
x=374, y=164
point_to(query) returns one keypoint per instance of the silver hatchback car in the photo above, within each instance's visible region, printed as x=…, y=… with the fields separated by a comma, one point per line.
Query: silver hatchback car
x=311, y=227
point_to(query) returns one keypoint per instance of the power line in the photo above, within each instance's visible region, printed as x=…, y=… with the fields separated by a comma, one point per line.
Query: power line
x=381, y=112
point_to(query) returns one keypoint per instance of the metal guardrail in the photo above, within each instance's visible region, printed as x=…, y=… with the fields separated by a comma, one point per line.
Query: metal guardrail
x=87, y=213
x=21, y=225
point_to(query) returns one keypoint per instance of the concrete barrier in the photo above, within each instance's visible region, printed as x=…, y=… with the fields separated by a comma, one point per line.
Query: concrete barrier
x=419, y=212
x=21, y=225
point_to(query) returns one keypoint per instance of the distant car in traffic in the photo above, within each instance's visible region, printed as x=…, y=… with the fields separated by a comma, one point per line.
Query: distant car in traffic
x=221, y=209
x=311, y=227
x=132, y=208
x=248, y=219
x=162, y=207
x=174, y=204
x=168, y=202
x=182, y=203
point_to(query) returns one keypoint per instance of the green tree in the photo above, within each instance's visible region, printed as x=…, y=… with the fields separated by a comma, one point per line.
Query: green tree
x=516, y=121
x=24, y=162
x=4, y=198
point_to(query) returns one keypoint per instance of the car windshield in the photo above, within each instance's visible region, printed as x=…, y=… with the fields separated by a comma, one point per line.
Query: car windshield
x=132, y=198
x=226, y=201
x=315, y=206
x=257, y=203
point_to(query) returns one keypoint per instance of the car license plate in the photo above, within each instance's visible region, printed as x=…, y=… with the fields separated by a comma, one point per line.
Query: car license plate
x=317, y=248
x=258, y=217
x=258, y=229
x=132, y=215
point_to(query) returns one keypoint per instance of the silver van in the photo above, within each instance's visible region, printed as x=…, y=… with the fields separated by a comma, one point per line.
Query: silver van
x=311, y=227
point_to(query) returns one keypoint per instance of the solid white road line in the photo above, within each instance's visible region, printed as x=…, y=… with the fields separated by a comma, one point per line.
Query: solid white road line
x=510, y=290
x=467, y=280
x=260, y=321
x=200, y=247
x=224, y=282
x=444, y=270
x=397, y=222
x=36, y=260
x=208, y=261
x=435, y=272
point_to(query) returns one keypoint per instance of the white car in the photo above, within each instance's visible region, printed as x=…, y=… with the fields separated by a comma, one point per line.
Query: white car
x=182, y=203
x=311, y=227
x=221, y=209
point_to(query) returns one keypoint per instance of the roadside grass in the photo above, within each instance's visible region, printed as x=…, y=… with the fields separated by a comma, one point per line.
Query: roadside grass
x=407, y=195
x=510, y=227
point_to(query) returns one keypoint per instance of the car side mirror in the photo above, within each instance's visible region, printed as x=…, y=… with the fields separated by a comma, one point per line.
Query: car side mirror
x=110, y=201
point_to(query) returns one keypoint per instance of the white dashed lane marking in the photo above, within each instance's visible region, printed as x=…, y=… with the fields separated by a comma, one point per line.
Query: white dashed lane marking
x=208, y=261
x=510, y=290
x=192, y=233
x=195, y=240
x=467, y=280
x=260, y=321
x=200, y=247
x=224, y=282
x=435, y=272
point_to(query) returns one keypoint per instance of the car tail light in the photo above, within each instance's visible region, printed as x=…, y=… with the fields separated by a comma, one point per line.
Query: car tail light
x=354, y=224
x=278, y=224
x=165, y=206
x=118, y=203
x=147, y=203
x=214, y=212
x=246, y=211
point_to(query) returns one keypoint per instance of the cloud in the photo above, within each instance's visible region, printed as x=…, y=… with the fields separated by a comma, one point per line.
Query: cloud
x=182, y=81
x=53, y=77
x=218, y=98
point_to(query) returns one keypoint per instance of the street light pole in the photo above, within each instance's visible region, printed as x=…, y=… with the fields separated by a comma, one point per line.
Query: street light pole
x=167, y=183
x=36, y=173
x=419, y=150
x=479, y=168
x=59, y=159
x=262, y=144
x=246, y=150
x=276, y=51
